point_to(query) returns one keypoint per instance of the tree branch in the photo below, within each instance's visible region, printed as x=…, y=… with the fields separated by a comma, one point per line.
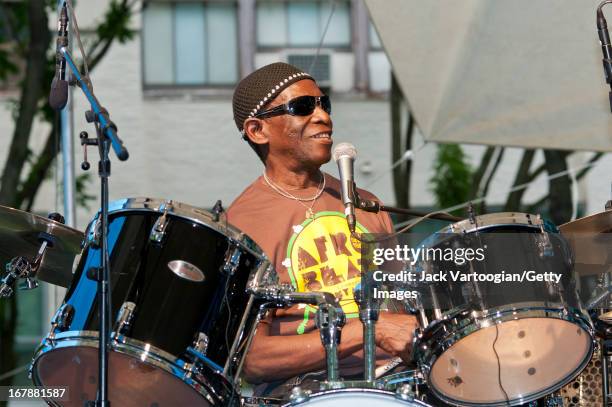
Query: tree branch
x=487, y=184
x=39, y=170
x=513, y=203
x=479, y=173
x=559, y=190
x=30, y=94
x=586, y=170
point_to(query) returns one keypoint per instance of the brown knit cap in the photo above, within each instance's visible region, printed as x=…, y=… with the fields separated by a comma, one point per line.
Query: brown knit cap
x=261, y=87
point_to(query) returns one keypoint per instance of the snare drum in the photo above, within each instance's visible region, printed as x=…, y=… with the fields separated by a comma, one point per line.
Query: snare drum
x=181, y=315
x=492, y=345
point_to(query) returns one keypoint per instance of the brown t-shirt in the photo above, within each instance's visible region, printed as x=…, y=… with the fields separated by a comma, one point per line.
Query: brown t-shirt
x=311, y=254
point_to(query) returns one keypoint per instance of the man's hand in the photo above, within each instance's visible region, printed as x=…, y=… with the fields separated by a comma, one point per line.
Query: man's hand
x=394, y=334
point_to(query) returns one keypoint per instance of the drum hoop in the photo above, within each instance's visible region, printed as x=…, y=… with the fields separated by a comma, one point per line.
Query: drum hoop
x=454, y=332
x=431, y=352
x=356, y=390
x=183, y=211
x=519, y=401
x=491, y=220
x=154, y=357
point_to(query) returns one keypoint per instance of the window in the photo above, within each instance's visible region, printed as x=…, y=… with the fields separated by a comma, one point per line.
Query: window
x=374, y=38
x=300, y=23
x=190, y=43
x=379, y=67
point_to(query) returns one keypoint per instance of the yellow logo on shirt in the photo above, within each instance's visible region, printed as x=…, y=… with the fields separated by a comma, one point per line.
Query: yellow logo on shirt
x=324, y=257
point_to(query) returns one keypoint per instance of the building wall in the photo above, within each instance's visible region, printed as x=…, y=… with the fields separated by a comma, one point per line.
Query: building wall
x=184, y=144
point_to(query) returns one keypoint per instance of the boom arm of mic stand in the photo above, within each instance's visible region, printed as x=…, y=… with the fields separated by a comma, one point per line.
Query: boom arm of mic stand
x=102, y=116
x=375, y=207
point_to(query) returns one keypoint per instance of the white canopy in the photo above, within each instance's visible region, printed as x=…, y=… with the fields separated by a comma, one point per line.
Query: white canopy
x=524, y=73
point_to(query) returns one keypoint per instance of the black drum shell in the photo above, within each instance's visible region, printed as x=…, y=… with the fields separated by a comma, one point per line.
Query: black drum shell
x=170, y=310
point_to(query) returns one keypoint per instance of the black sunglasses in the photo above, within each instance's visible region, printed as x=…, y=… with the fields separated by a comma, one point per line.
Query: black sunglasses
x=300, y=106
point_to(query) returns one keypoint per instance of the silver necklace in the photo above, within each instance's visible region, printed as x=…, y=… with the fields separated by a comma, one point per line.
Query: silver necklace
x=282, y=192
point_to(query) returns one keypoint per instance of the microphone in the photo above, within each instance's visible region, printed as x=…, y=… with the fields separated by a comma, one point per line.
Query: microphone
x=344, y=155
x=604, y=38
x=58, y=97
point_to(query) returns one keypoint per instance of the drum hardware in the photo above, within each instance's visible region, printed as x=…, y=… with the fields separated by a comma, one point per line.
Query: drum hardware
x=545, y=248
x=29, y=237
x=232, y=260
x=260, y=401
x=201, y=343
x=189, y=369
x=94, y=233
x=472, y=214
x=85, y=141
x=368, y=315
x=606, y=367
x=18, y=268
x=235, y=360
x=21, y=268
x=159, y=228
x=598, y=299
x=264, y=273
x=329, y=320
x=124, y=318
x=405, y=392
x=299, y=395
x=283, y=296
x=61, y=320
x=217, y=210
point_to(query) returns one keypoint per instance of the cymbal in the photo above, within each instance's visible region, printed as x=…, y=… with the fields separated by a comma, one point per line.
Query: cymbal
x=19, y=233
x=590, y=239
x=598, y=223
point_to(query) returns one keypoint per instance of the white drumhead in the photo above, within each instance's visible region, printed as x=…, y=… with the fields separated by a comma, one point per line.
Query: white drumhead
x=535, y=355
x=357, y=398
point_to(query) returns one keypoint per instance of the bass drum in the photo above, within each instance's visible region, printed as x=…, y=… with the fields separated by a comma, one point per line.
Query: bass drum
x=180, y=313
x=492, y=343
x=354, y=397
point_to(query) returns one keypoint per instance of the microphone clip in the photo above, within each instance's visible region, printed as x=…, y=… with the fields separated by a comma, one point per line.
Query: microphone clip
x=364, y=204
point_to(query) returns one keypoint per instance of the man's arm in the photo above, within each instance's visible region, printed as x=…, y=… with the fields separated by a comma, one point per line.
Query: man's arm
x=277, y=357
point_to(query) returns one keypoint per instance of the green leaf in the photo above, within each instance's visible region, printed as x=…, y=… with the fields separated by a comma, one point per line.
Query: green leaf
x=451, y=182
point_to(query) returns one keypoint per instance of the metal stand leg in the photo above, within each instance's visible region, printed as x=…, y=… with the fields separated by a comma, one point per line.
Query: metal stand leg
x=606, y=360
x=329, y=321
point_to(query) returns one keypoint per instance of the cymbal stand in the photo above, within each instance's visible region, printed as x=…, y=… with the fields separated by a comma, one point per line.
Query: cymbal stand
x=606, y=364
x=22, y=268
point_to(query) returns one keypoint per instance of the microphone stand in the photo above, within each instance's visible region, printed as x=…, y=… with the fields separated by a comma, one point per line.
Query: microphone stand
x=375, y=207
x=106, y=138
x=606, y=46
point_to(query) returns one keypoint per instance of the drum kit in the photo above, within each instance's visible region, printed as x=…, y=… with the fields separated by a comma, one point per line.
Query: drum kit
x=188, y=290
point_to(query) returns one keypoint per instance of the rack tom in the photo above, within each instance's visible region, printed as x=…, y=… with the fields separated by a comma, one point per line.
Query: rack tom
x=182, y=317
